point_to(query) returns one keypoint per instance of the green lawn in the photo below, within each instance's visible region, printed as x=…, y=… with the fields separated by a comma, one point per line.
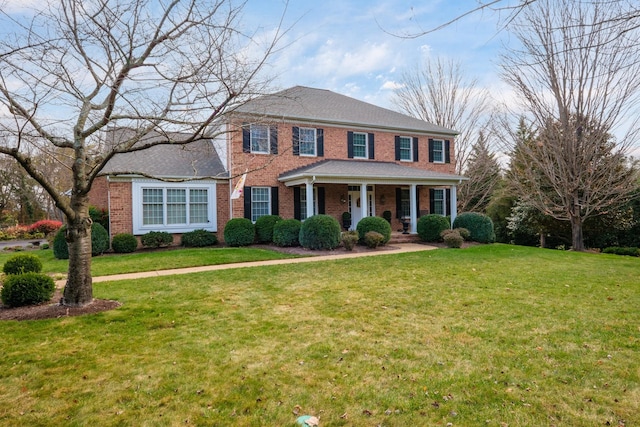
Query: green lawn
x=487, y=336
x=105, y=265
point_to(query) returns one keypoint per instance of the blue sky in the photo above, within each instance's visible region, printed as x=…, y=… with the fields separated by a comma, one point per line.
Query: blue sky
x=346, y=46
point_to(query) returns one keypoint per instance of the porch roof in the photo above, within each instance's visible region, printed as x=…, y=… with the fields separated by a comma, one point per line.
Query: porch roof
x=365, y=172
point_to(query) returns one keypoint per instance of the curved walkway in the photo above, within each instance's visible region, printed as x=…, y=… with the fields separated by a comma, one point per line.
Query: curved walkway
x=398, y=248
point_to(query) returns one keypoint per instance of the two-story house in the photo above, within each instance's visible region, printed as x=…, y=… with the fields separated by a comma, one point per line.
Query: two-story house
x=304, y=151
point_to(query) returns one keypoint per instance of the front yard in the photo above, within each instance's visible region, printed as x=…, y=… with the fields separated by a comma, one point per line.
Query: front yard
x=491, y=335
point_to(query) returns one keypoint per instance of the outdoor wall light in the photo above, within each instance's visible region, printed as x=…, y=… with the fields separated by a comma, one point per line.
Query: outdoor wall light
x=383, y=199
x=342, y=199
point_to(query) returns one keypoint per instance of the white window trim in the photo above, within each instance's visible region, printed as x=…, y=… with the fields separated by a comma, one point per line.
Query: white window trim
x=410, y=159
x=443, y=199
x=366, y=145
x=138, y=185
x=315, y=143
x=268, y=150
x=303, y=202
x=441, y=151
x=269, y=195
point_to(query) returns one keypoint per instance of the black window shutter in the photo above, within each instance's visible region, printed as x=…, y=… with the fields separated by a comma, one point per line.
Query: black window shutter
x=417, y=202
x=296, y=140
x=447, y=155
x=350, y=144
x=398, y=202
x=274, y=201
x=297, y=214
x=246, y=138
x=415, y=149
x=397, y=148
x=273, y=139
x=432, y=204
x=320, y=136
x=372, y=151
x=431, y=151
x=447, y=202
x=321, y=208
x=247, y=202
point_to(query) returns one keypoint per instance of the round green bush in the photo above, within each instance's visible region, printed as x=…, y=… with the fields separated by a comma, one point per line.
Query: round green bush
x=26, y=289
x=198, y=239
x=156, y=239
x=264, y=228
x=287, y=232
x=452, y=238
x=374, y=223
x=60, y=248
x=239, y=232
x=430, y=227
x=320, y=232
x=22, y=263
x=124, y=243
x=99, y=239
x=480, y=226
x=373, y=239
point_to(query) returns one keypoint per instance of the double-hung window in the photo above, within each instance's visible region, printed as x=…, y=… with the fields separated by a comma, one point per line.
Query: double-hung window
x=303, y=204
x=438, y=201
x=260, y=202
x=259, y=139
x=360, y=149
x=406, y=148
x=405, y=203
x=307, y=138
x=438, y=151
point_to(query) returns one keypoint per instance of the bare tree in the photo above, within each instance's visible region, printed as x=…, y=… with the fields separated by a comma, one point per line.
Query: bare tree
x=578, y=85
x=439, y=93
x=483, y=171
x=71, y=71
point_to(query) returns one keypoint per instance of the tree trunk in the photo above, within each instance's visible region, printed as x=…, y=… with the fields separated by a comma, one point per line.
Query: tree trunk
x=577, y=239
x=79, y=289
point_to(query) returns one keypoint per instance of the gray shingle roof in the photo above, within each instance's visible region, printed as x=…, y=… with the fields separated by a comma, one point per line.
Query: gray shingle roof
x=350, y=171
x=306, y=104
x=195, y=160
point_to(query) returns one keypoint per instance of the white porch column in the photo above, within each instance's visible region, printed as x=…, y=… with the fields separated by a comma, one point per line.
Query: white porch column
x=309, y=193
x=454, y=204
x=364, y=201
x=413, y=203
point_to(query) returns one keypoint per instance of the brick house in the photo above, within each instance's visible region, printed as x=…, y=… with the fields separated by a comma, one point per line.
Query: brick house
x=305, y=151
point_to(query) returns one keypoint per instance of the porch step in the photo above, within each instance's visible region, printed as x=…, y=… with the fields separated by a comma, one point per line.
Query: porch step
x=397, y=237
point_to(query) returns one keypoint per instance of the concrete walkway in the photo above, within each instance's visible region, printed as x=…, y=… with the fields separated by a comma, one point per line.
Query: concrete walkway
x=397, y=248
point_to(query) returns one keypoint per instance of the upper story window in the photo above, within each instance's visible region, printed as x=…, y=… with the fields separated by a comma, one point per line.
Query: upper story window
x=439, y=151
x=259, y=138
x=308, y=142
x=406, y=149
x=360, y=146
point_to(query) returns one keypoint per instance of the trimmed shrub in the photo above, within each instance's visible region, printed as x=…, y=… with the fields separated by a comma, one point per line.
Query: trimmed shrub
x=264, y=228
x=156, y=239
x=26, y=289
x=287, y=232
x=617, y=250
x=60, y=248
x=373, y=239
x=22, y=263
x=320, y=232
x=124, y=243
x=350, y=239
x=464, y=233
x=99, y=239
x=431, y=226
x=198, y=239
x=100, y=216
x=239, y=232
x=452, y=238
x=374, y=223
x=480, y=226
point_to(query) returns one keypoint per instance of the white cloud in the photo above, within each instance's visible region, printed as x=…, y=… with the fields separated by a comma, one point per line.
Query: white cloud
x=391, y=85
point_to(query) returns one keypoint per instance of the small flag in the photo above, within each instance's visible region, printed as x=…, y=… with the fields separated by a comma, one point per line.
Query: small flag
x=239, y=188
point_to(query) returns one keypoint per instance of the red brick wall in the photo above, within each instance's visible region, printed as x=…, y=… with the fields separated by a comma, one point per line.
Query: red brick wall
x=99, y=194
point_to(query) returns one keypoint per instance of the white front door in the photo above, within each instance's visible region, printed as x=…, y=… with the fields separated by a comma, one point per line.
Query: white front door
x=355, y=206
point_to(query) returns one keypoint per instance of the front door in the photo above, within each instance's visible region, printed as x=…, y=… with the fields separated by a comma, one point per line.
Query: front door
x=355, y=204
